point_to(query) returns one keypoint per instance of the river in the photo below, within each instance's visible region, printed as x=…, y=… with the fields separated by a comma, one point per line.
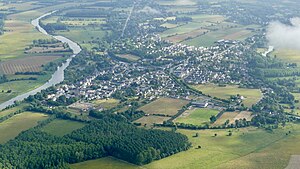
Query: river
x=58, y=75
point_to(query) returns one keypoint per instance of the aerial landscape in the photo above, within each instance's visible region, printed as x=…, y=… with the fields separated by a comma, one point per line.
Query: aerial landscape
x=150, y=84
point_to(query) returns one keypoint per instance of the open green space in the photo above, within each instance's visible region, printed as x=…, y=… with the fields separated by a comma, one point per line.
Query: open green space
x=246, y=148
x=251, y=96
x=150, y=120
x=106, y=103
x=164, y=106
x=20, y=87
x=10, y=128
x=60, y=127
x=197, y=116
x=105, y=163
x=6, y=112
x=287, y=55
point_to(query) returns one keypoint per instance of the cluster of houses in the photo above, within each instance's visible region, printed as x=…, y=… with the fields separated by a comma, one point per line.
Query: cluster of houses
x=195, y=65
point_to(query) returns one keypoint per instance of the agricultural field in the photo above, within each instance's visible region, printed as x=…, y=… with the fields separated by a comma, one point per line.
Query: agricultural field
x=28, y=64
x=83, y=37
x=20, y=87
x=251, y=96
x=10, y=128
x=107, y=163
x=164, y=106
x=6, y=112
x=246, y=148
x=231, y=33
x=150, y=120
x=60, y=127
x=297, y=97
x=129, y=57
x=197, y=116
x=287, y=55
x=232, y=116
x=106, y=103
x=204, y=30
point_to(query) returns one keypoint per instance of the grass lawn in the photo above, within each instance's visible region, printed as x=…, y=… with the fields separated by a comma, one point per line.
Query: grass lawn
x=60, y=127
x=164, y=106
x=12, y=127
x=197, y=116
x=252, y=96
x=105, y=163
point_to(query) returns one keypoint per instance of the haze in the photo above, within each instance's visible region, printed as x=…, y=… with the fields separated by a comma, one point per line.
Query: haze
x=283, y=36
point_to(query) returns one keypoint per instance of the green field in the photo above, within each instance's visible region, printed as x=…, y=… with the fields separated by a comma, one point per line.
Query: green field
x=105, y=163
x=106, y=103
x=149, y=120
x=20, y=87
x=164, y=106
x=226, y=116
x=287, y=55
x=246, y=148
x=62, y=127
x=83, y=37
x=19, y=34
x=10, y=128
x=204, y=30
x=197, y=116
x=252, y=96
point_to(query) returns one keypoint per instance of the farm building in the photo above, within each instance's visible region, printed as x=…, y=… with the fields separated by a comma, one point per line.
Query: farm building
x=200, y=104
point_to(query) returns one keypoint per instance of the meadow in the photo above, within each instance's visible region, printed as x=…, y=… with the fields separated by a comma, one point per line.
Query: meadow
x=60, y=127
x=150, y=120
x=287, y=55
x=106, y=103
x=20, y=87
x=6, y=112
x=252, y=96
x=13, y=126
x=107, y=163
x=226, y=116
x=246, y=148
x=164, y=106
x=197, y=116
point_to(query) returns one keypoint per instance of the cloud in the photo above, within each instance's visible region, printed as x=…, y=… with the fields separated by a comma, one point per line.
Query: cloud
x=149, y=10
x=283, y=36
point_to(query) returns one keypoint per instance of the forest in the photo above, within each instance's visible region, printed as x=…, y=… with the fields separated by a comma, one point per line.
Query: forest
x=111, y=135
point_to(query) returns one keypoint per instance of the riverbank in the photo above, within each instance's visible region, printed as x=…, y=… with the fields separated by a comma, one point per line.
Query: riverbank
x=58, y=75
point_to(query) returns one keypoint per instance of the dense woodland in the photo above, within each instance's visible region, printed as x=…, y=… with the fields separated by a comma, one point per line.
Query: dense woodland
x=111, y=135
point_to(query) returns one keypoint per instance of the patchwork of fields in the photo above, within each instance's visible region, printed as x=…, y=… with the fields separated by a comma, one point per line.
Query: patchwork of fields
x=246, y=148
x=205, y=30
